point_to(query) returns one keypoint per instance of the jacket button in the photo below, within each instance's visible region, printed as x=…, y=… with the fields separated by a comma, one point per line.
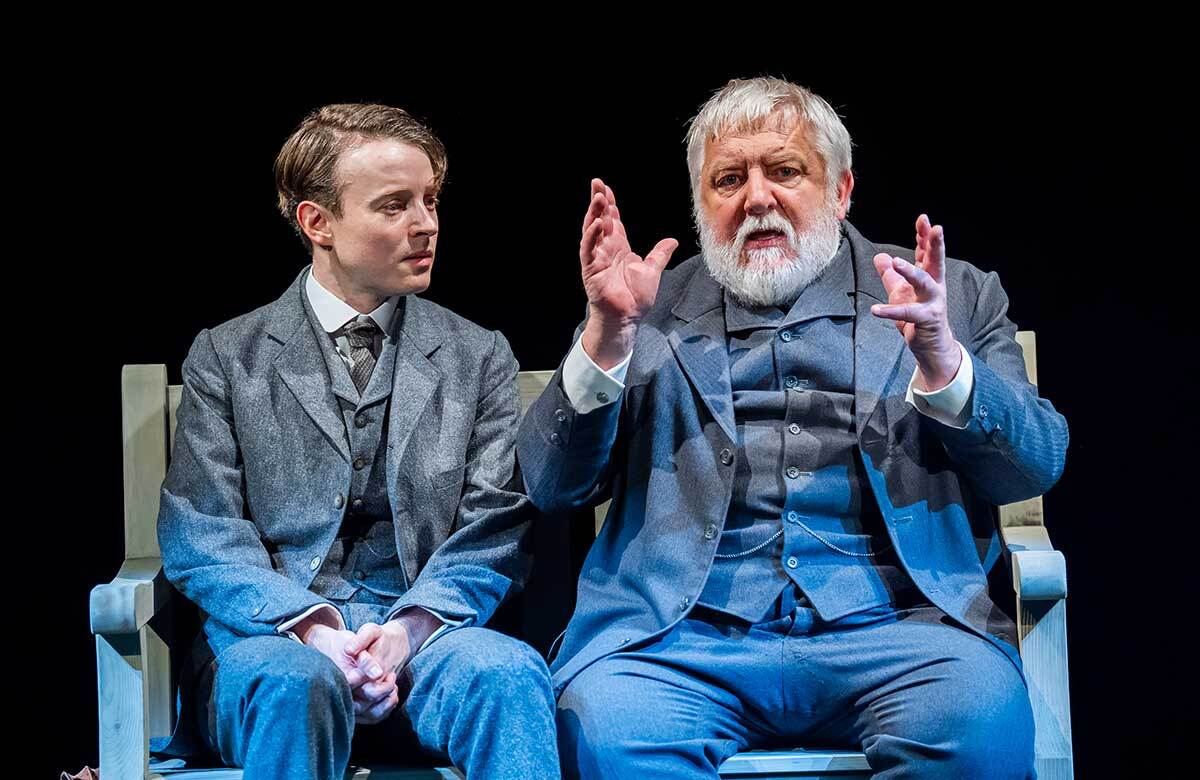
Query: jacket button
x=684, y=603
x=982, y=411
x=356, y=504
x=555, y=438
x=792, y=472
x=794, y=428
x=339, y=501
x=560, y=415
x=791, y=381
x=602, y=397
x=710, y=531
x=314, y=563
x=792, y=562
x=786, y=335
x=726, y=456
x=359, y=462
x=361, y=421
x=793, y=517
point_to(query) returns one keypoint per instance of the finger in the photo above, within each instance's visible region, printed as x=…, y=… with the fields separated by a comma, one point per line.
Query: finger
x=922, y=227
x=363, y=638
x=594, y=210
x=935, y=261
x=660, y=255
x=367, y=664
x=892, y=281
x=618, y=225
x=612, y=198
x=922, y=245
x=906, y=312
x=354, y=677
x=363, y=701
x=376, y=690
x=921, y=282
x=381, y=709
x=587, y=246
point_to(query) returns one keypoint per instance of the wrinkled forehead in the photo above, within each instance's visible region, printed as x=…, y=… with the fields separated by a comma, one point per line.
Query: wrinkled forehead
x=772, y=134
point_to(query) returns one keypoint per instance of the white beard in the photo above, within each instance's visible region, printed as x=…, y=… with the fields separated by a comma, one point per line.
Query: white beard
x=772, y=276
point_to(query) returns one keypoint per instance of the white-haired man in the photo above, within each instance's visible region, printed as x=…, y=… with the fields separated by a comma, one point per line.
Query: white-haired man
x=805, y=436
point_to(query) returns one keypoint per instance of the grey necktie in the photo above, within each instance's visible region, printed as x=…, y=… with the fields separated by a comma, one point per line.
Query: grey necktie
x=361, y=333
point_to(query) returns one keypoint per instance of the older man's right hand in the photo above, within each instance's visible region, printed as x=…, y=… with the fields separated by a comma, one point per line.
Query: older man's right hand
x=620, y=285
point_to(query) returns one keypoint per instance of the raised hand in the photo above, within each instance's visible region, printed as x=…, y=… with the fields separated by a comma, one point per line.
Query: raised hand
x=917, y=305
x=620, y=285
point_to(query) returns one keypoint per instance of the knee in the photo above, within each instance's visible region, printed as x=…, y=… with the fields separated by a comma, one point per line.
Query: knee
x=299, y=680
x=492, y=665
x=992, y=735
x=593, y=726
x=981, y=732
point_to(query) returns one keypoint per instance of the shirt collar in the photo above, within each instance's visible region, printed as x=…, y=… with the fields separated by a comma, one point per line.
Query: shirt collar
x=332, y=312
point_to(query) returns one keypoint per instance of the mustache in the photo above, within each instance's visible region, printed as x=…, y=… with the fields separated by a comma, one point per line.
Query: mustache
x=769, y=221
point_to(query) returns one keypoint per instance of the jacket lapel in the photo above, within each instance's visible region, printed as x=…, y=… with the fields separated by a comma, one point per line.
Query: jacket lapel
x=415, y=381
x=302, y=367
x=878, y=346
x=415, y=376
x=701, y=347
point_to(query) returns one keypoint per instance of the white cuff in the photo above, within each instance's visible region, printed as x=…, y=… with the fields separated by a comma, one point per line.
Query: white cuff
x=588, y=386
x=948, y=405
x=447, y=624
x=285, y=627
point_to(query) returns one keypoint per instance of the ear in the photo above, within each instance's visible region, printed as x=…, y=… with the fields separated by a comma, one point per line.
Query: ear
x=314, y=220
x=845, y=187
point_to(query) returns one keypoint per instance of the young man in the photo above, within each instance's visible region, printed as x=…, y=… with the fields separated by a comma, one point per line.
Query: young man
x=341, y=499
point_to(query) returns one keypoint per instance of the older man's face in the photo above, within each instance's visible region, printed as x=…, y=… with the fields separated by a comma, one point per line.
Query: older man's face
x=774, y=171
x=387, y=233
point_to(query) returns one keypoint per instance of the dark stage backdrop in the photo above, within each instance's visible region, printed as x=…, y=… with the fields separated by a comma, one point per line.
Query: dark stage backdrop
x=1032, y=172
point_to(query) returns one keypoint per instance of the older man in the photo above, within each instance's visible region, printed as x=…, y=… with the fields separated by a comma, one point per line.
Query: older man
x=341, y=494
x=804, y=436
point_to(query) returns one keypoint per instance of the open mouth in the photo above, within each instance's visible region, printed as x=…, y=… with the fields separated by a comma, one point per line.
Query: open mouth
x=764, y=238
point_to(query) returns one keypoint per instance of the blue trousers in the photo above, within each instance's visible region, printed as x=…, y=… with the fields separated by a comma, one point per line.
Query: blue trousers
x=919, y=696
x=478, y=698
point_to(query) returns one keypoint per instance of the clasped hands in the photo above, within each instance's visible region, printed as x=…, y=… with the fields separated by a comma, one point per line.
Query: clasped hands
x=373, y=658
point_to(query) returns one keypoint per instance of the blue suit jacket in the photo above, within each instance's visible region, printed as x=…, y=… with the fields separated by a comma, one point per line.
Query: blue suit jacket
x=657, y=453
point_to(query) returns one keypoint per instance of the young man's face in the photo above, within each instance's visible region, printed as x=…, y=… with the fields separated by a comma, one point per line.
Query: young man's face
x=385, y=238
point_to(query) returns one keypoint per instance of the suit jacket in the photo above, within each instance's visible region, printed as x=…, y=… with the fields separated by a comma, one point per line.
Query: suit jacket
x=261, y=468
x=663, y=455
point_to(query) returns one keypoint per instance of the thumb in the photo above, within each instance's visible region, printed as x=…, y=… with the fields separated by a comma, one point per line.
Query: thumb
x=367, y=634
x=660, y=255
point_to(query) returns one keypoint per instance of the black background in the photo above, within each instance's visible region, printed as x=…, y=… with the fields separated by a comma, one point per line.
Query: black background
x=164, y=223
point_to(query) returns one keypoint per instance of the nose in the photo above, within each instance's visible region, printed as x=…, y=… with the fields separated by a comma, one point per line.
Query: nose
x=759, y=198
x=425, y=222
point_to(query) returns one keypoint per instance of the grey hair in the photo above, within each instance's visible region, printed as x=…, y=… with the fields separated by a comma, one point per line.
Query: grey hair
x=746, y=104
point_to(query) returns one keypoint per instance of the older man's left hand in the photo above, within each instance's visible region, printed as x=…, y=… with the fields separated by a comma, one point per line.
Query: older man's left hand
x=917, y=304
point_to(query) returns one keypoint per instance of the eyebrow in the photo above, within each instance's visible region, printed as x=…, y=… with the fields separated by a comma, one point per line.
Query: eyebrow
x=401, y=192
